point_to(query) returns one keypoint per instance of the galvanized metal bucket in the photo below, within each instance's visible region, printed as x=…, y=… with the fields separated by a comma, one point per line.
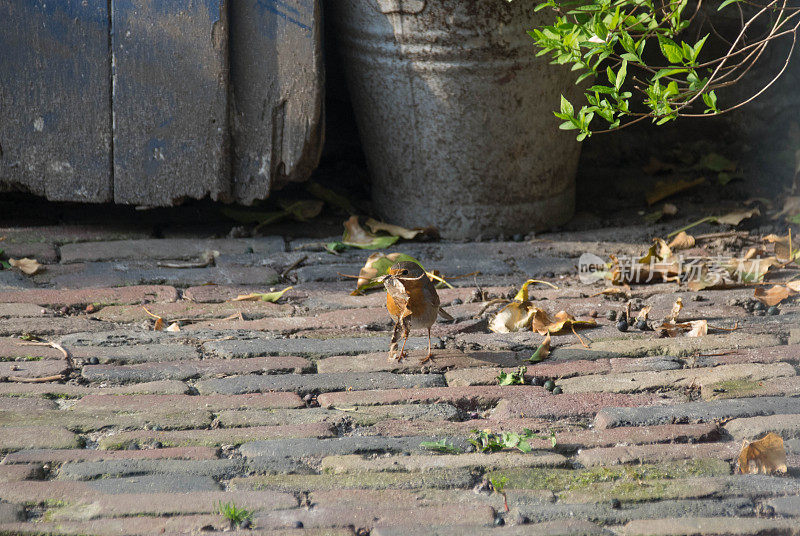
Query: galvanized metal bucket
x=455, y=114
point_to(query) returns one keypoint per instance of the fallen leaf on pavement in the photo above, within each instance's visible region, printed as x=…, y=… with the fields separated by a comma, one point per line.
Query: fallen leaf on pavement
x=699, y=328
x=407, y=234
x=735, y=218
x=772, y=296
x=173, y=327
x=26, y=266
x=622, y=290
x=355, y=236
x=513, y=317
x=784, y=249
x=522, y=295
x=262, y=296
x=766, y=455
x=542, y=351
x=665, y=189
x=682, y=241
x=643, y=312
x=159, y=322
x=562, y=321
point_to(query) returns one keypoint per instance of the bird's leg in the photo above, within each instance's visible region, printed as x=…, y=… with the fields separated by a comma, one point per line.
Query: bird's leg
x=404, y=322
x=430, y=354
x=393, y=342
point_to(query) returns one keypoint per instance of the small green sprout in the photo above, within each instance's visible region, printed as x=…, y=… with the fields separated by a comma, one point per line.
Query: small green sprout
x=235, y=515
x=487, y=441
x=498, y=484
x=440, y=446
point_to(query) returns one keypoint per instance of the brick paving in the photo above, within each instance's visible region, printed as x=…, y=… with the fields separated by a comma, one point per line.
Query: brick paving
x=292, y=411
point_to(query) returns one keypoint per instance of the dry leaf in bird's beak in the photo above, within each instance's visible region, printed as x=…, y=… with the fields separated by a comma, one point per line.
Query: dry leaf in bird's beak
x=26, y=266
x=766, y=456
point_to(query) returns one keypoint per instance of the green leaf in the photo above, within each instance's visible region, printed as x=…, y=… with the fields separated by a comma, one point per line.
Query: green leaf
x=668, y=72
x=566, y=107
x=670, y=49
x=5, y=265
x=698, y=47
x=623, y=71
x=727, y=3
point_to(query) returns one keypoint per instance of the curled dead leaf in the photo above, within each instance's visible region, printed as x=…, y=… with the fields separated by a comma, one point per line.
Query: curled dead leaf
x=735, y=218
x=564, y=320
x=682, y=241
x=773, y=295
x=513, y=317
x=699, y=328
x=622, y=290
x=766, y=455
x=408, y=234
x=669, y=209
x=643, y=312
x=262, y=296
x=173, y=327
x=26, y=266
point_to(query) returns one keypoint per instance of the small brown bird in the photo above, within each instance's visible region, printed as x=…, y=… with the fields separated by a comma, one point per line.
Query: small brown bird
x=413, y=303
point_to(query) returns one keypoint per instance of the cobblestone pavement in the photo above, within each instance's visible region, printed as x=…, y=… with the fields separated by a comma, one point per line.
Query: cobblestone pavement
x=291, y=410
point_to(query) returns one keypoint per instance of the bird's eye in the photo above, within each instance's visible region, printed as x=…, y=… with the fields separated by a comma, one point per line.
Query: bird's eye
x=404, y=272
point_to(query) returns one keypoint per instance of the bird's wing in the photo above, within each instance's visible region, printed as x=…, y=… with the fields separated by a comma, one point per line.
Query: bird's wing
x=397, y=291
x=444, y=314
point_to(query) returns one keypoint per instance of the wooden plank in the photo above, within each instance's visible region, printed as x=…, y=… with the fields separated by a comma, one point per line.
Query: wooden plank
x=55, y=108
x=170, y=100
x=278, y=89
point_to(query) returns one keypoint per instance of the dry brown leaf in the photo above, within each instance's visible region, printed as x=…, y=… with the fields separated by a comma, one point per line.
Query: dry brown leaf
x=699, y=328
x=793, y=285
x=665, y=189
x=676, y=309
x=643, y=312
x=173, y=327
x=735, y=218
x=396, y=230
x=772, y=296
x=682, y=241
x=26, y=266
x=513, y=317
x=540, y=321
x=565, y=320
x=159, y=324
x=754, y=252
x=766, y=455
x=622, y=290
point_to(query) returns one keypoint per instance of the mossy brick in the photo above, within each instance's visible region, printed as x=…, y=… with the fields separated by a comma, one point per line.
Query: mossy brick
x=353, y=463
x=317, y=383
x=165, y=248
x=472, y=396
x=162, y=504
x=631, y=382
x=366, y=516
x=216, y=437
x=78, y=455
x=632, y=454
x=441, y=479
x=155, y=483
x=786, y=386
x=752, y=428
x=710, y=526
x=107, y=296
x=317, y=448
x=693, y=412
x=402, y=427
x=611, y=481
x=36, y=437
x=442, y=360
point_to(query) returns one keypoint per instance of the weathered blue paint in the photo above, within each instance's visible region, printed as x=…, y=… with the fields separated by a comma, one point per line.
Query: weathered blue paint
x=276, y=76
x=170, y=100
x=55, y=110
x=288, y=12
